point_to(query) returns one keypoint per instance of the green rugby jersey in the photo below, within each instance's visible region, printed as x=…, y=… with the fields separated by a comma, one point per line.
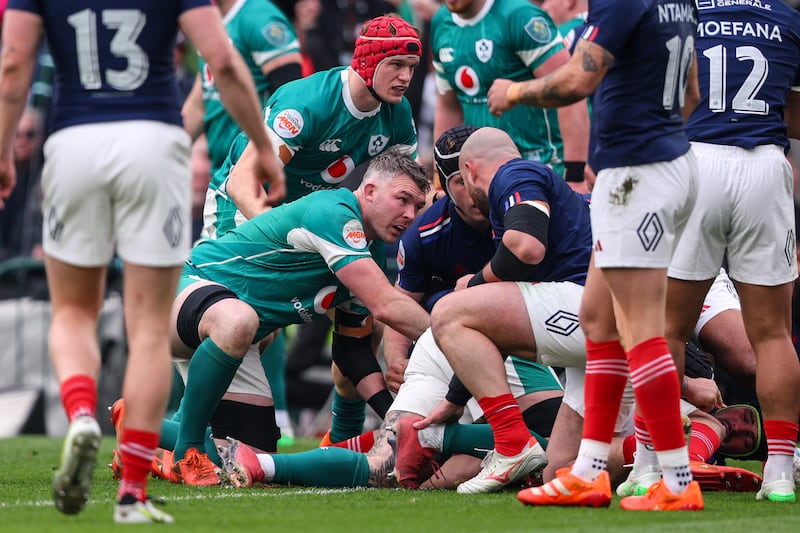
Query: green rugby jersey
x=260, y=32
x=506, y=39
x=283, y=262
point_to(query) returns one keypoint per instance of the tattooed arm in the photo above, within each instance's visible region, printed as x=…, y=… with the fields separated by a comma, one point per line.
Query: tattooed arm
x=576, y=80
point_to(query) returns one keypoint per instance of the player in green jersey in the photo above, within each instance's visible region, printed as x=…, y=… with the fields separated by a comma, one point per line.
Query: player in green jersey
x=289, y=265
x=476, y=41
x=265, y=38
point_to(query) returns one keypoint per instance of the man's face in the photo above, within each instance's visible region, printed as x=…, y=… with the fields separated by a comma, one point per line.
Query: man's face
x=393, y=76
x=478, y=195
x=461, y=197
x=27, y=138
x=464, y=8
x=391, y=208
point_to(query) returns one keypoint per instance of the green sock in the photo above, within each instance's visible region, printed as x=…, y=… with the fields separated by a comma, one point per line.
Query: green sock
x=169, y=436
x=348, y=417
x=274, y=362
x=322, y=467
x=473, y=439
x=210, y=373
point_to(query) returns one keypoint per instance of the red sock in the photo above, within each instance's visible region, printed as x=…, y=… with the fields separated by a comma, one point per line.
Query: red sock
x=503, y=414
x=137, y=449
x=655, y=383
x=360, y=443
x=781, y=437
x=606, y=376
x=79, y=396
x=640, y=430
x=703, y=442
x=628, y=449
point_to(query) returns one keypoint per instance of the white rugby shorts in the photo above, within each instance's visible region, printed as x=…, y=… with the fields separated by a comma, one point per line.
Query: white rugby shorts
x=639, y=212
x=123, y=186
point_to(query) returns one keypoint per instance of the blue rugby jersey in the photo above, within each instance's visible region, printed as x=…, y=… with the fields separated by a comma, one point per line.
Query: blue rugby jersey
x=439, y=248
x=569, y=245
x=748, y=58
x=114, y=59
x=636, y=116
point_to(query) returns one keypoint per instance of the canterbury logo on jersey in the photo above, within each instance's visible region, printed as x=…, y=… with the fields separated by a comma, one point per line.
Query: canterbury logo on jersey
x=338, y=170
x=331, y=145
x=446, y=55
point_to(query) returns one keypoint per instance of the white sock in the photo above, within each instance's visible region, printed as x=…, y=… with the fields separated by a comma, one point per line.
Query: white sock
x=592, y=459
x=267, y=465
x=675, y=469
x=432, y=437
x=775, y=465
x=644, y=456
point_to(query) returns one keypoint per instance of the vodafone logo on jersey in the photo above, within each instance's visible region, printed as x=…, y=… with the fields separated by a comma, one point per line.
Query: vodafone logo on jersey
x=353, y=234
x=338, y=170
x=467, y=80
x=324, y=299
x=288, y=123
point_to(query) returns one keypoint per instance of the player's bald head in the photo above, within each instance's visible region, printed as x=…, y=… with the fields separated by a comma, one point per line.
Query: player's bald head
x=489, y=145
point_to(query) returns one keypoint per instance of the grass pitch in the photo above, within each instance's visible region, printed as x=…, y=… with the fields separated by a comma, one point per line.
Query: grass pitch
x=27, y=463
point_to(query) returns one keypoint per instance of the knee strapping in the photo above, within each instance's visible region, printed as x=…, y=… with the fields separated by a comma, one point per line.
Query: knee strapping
x=193, y=308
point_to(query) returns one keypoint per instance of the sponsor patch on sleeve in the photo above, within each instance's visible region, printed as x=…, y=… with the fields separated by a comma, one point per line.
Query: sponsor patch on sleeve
x=353, y=234
x=288, y=123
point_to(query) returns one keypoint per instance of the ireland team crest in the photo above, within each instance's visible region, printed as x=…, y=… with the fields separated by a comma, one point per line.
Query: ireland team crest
x=484, y=49
x=376, y=144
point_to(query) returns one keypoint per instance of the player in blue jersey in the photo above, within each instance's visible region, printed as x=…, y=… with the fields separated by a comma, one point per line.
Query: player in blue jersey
x=749, y=78
x=531, y=288
x=451, y=239
x=116, y=177
x=637, y=60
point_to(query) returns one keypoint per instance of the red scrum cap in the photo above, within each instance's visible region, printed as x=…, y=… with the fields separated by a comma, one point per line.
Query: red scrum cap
x=381, y=38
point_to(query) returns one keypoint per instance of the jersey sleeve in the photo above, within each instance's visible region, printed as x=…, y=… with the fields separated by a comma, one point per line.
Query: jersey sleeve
x=32, y=6
x=335, y=231
x=610, y=23
x=269, y=39
x=534, y=36
x=287, y=119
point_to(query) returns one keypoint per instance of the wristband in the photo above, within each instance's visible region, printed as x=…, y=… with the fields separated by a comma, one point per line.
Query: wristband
x=477, y=279
x=512, y=93
x=573, y=171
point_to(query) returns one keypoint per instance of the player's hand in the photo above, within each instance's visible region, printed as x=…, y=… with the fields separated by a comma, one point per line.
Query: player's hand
x=395, y=375
x=269, y=170
x=8, y=179
x=498, y=97
x=442, y=414
x=703, y=393
x=461, y=283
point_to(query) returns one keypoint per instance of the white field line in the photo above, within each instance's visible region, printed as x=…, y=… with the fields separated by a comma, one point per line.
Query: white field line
x=216, y=496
